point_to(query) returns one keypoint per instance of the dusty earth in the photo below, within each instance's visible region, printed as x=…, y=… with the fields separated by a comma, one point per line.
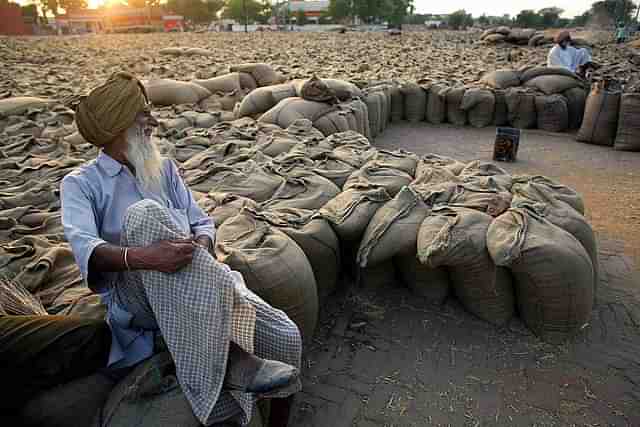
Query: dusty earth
x=385, y=358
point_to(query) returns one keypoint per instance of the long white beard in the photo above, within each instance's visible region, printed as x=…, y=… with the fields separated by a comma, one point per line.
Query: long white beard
x=144, y=156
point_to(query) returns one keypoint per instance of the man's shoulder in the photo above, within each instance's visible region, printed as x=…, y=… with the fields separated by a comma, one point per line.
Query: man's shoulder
x=85, y=172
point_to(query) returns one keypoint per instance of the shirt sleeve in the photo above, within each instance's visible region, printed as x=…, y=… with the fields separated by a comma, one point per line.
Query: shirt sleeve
x=201, y=224
x=80, y=226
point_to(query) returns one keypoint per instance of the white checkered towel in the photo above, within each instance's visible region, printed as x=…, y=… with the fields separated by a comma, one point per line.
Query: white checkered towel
x=198, y=311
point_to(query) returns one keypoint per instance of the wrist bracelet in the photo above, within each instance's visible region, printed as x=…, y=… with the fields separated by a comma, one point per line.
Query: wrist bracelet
x=126, y=262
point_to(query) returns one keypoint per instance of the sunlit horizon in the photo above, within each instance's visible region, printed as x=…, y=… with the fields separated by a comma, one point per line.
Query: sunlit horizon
x=488, y=7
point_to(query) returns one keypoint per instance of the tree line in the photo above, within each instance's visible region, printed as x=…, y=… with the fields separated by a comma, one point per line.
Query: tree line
x=603, y=13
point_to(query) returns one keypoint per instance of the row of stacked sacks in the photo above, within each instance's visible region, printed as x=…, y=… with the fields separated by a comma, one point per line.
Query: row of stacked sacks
x=522, y=36
x=295, y=208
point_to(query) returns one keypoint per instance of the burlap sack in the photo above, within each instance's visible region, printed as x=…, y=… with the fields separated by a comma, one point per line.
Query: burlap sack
x=429, y=283
x=576, y=101
x=600, y=122
x=263, y=99
x=225, y=84
x=479, y=105
x=552, y=271
x=553, y=84
x=174, y=92
x=393, y=230
x=455, y=114
x=397, y=104
x=628, y=135
x=456, y=238
x=263, y=74
x=272, y=265
x=501, y=113
x=222, y=206
x=521, y=107
x=302, y=190
x=390, y=179
x=552, y=113
x=501, y=79
x=437, y=104
x=559, y=191
x=415, y=102
x=19, y=105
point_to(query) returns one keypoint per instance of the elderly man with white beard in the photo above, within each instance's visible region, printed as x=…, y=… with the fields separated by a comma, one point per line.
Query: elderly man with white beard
x=142, y=242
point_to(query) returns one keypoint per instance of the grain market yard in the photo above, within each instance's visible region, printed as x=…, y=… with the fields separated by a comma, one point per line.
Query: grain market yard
x=383, y=357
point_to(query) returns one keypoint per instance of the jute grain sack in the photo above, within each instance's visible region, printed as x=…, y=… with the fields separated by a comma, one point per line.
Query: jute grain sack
x=340, y=89
x=490, y=200
x=456, y=238
x=437, y=104
x=228, y=153
x=552, y=271
x=338, y=120
x=500, y=177
x=429, y=283
x=272, y=265
x=393, y=230
x=374, y=110
x=628, y=135
x=521, y=106
x=415, y=102
x=552, y=113
x=263, y=99
x=550, y=85
x=174, y=92
x=541, y=200
x=250, y=180
x=531, y=73
x=303, y=190
x=501, y=113
x=263, y=74
x=222, y=206
x=317, y=240
x=495, y=38
x=430, y=175
x=247, y=81
x=397, y=159
x=390, y=179
x=173, y=51
x=333, y=169
x=501, y=79
x=20, y=104
x=436, y=160
x=600, y=117
x=225, y=84
x=479, y=105
x=289, y=110
x=397, y=104
x=455, y=114
x=559, y=191
x=361, y=114
x=351, y=211
x=576, y=101
x=277, y=143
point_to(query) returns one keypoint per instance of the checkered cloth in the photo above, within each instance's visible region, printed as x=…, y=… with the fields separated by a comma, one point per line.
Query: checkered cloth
x=198, y=311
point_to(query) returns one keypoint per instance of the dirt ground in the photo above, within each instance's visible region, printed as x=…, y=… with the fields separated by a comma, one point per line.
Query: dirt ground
x=384, y=357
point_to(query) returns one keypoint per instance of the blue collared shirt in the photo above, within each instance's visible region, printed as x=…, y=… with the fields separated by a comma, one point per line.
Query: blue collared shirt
x=95, y=198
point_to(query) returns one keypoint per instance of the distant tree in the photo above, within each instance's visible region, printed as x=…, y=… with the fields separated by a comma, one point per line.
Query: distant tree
x=608, y=12
x=340, y=10
x=213, y=7
x=483, y=20
x=236, y=10
x=395, y=12
x=459, y=19
x=528, y=19
x=193, y=10
x=550, y=16
x=582, y=20
x=49, y=6
x=301, y=18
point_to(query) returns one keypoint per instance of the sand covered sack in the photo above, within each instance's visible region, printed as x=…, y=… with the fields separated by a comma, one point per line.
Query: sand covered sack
x=552, y=271
x=316, y=238
x=393, y=230
x=456, y=238
x=272, y=265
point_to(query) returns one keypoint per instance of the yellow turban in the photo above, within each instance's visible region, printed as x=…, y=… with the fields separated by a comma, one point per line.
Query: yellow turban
x=110, y=108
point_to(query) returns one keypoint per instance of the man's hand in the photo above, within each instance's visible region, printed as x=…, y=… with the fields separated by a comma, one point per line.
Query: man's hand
x=167, y=256
x=206, y=243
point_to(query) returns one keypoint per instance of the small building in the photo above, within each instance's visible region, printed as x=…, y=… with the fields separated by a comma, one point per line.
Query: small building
x=313, y=10
x=119, y=18
x=12, y=23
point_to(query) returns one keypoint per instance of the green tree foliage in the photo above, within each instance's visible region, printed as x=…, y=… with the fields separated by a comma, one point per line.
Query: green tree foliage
x=193, y=10
x=483, y=20
x=582, y=20
x=550, y=16
x=239, y=9
x=529, y=19
x=301, y=18
x=460, y=19
x=608, y=12
x=340, y=10
x=396, y=11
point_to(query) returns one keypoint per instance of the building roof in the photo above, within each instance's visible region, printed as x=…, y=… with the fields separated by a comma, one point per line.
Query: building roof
x=309, y=6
